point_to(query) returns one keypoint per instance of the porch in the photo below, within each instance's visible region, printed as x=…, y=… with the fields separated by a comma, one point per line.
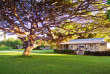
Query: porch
x=80, y=47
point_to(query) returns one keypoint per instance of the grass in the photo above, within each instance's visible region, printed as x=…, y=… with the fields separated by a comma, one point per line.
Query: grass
x=4, y=48
x=42, y=51
x=50, y=63
x=21, y=50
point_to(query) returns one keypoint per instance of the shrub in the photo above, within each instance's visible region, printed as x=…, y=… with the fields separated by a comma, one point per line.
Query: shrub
x=11, y=42
x=37, y=48
x=108, y=49
x=2, y=45
x=98, y=53
x=56, y=50
x=67, y=51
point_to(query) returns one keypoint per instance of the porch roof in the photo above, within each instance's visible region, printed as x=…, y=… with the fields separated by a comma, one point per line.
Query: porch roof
x=85, y=41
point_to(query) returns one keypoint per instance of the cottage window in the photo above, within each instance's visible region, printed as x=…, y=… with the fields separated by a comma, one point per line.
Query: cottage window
x=81, y=45
x=86, y=45
x=71, y=46
x=102, y=44
x=90, y=45
x=96, y=45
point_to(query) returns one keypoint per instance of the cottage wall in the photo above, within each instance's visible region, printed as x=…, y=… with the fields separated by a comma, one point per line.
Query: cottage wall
x=98, y=47
x=102, y=47
x=70, y=47
x=74, y=46
x=108, y=45
x=94, y=47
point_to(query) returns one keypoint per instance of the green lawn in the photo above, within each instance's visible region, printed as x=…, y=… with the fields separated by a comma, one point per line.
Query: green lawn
x=4, y=48
x=21, y=50
x=50, y=63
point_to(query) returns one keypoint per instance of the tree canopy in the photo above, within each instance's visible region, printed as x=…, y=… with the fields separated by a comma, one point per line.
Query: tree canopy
x=35, y=20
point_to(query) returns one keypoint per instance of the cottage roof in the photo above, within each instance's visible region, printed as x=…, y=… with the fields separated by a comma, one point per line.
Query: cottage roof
x=83, y=41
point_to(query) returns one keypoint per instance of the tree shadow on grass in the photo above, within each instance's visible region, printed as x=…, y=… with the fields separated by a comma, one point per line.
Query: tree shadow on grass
x=19, y=56
x=25, y=57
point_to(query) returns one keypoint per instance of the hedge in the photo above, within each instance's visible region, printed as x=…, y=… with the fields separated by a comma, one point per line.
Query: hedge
x=98, y=53
x=11, y=42
x=66, y=51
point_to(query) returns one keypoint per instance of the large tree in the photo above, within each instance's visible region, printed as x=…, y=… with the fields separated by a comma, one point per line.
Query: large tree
x=82, y=30
x=35, y=20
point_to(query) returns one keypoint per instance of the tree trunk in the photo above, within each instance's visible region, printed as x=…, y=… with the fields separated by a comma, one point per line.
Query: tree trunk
x=30, y=46
x=28, y=50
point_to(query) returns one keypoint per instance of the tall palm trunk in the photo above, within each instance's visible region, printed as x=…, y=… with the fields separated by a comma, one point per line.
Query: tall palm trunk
x=4, y=35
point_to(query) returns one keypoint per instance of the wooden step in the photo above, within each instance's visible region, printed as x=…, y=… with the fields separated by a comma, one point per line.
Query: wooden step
x=80, y=52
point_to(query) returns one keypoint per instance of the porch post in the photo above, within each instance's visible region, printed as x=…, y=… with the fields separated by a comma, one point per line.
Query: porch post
x=64, y=46
x=89, y=46
x=59, y=47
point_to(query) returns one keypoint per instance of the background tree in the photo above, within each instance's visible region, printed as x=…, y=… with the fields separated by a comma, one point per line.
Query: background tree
x=99, y=27
x=32, y=20
x=11, y=42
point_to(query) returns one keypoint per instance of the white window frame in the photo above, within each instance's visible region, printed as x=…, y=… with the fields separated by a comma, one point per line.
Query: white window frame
x=103, y=44
x=80, y=45
x=71, y=46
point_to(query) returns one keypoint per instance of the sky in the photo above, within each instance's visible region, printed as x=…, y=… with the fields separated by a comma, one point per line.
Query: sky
x=8, y=36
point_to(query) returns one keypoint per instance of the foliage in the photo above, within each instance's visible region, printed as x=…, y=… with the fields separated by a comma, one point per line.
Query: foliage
x=101, y=35
x=49, y=43
x=45, y=43
x=98, y=53
x=66, y=51
x=37, y=48
x=98, y=28
x=108, y=1
x=11, y=42
x=2, y=45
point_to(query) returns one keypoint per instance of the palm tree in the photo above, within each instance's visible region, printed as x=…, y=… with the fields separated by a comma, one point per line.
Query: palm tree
x=4, y=34
x=1, y=34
